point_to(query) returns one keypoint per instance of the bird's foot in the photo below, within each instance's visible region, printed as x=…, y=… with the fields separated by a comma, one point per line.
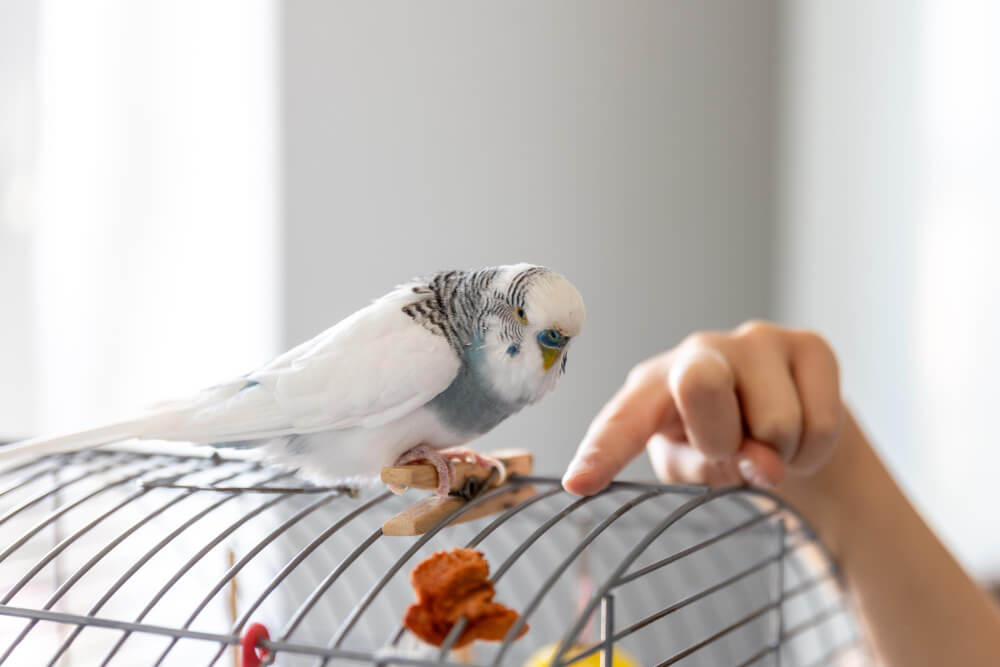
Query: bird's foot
x=464, y=454
x=441, y=463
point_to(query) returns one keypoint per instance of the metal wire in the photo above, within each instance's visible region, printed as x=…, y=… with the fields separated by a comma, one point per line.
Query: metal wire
x=239, y=565
x=681, y=574
x=295, y=562
x=143, y=560
x=63, y=544
x=363, y=604
x=198, y=556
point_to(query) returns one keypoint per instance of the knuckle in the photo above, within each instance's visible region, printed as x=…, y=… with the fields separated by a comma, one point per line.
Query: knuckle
x=824, y=430
x=700, y=340
x=639, y=372
x=814, y=342
x=703, y=381
x=756, y=329
x=782, y=430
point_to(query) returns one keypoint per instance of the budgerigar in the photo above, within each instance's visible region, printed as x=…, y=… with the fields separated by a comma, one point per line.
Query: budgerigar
x=428, y=367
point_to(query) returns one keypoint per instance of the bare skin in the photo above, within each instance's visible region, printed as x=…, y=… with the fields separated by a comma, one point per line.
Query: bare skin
x=761, y=405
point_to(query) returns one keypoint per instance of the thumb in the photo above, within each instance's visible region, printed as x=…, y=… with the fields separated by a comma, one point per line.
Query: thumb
x=759, y=464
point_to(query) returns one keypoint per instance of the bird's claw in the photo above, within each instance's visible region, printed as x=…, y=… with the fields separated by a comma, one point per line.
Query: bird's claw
x=473, y=487
x=441, y=463
x=464, y=453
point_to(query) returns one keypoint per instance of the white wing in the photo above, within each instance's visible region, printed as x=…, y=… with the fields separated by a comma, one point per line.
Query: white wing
x=371, y=368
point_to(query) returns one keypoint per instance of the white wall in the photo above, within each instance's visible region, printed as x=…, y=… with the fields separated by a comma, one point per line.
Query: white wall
x=626, y=145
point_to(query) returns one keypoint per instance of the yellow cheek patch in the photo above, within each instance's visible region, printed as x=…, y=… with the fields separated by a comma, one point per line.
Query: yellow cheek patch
x=549, y=356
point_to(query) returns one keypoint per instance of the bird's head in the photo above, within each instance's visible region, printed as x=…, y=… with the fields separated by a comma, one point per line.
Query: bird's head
x=537, y=315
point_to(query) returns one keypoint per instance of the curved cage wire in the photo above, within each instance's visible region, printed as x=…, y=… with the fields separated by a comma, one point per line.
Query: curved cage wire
x=135, y=558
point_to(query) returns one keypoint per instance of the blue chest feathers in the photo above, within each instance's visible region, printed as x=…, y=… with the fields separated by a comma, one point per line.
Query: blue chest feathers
x=470, y=404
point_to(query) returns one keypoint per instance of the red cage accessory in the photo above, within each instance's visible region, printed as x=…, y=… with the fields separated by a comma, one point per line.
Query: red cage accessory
x=252, y=655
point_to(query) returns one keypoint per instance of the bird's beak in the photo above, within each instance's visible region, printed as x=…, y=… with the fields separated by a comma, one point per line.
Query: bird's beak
x=549, y=356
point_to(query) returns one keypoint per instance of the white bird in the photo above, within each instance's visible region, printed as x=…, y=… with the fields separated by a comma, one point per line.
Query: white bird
x=430, y=366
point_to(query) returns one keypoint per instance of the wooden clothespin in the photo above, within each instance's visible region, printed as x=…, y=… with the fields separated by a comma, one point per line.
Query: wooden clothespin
x=428, y=512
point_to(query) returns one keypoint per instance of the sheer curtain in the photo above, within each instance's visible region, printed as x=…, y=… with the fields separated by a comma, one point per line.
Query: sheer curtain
x=18, y=144
x=957, y=296
x=139, y=240
x=889, y=228
x=154, y=241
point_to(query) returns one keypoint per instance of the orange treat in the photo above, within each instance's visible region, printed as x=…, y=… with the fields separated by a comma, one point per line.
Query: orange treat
x=452, y=584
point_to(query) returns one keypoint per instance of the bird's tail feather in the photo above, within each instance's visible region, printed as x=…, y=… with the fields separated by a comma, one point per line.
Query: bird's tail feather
x=221, y=415
x=72, y=442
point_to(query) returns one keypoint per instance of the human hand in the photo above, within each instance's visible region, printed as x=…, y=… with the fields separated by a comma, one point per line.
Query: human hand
x=720, y=409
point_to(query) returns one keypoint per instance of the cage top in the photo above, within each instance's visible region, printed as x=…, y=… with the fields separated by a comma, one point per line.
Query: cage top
x=97, y=547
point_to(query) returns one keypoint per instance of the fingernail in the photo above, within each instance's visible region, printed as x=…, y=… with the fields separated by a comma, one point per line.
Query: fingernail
x=750, y=473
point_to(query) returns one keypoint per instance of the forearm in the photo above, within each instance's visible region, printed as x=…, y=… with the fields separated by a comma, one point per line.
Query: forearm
x=918, y=604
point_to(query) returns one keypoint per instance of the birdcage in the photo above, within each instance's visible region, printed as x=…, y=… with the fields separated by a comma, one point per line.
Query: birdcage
x=156, y=557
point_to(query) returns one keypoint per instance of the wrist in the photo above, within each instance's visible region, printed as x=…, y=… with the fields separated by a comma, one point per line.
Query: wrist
x=835, y=497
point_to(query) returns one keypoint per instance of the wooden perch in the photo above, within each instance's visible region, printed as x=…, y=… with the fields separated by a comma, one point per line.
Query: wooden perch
x=428, y=512
x=424, y=475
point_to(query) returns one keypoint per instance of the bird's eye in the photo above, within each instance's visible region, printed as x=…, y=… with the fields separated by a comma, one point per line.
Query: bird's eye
x=521, y=317
x=551, y=338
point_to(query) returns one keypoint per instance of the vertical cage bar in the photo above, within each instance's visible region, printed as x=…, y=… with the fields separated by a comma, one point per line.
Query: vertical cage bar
x=614, y=578
x=536, y=600
x=608, y=630
x=782, y=531
x=57, y=538
x=691, y=599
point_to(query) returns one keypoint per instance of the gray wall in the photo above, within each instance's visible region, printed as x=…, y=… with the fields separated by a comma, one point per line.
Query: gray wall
x=847, y=160
x=626, y=145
